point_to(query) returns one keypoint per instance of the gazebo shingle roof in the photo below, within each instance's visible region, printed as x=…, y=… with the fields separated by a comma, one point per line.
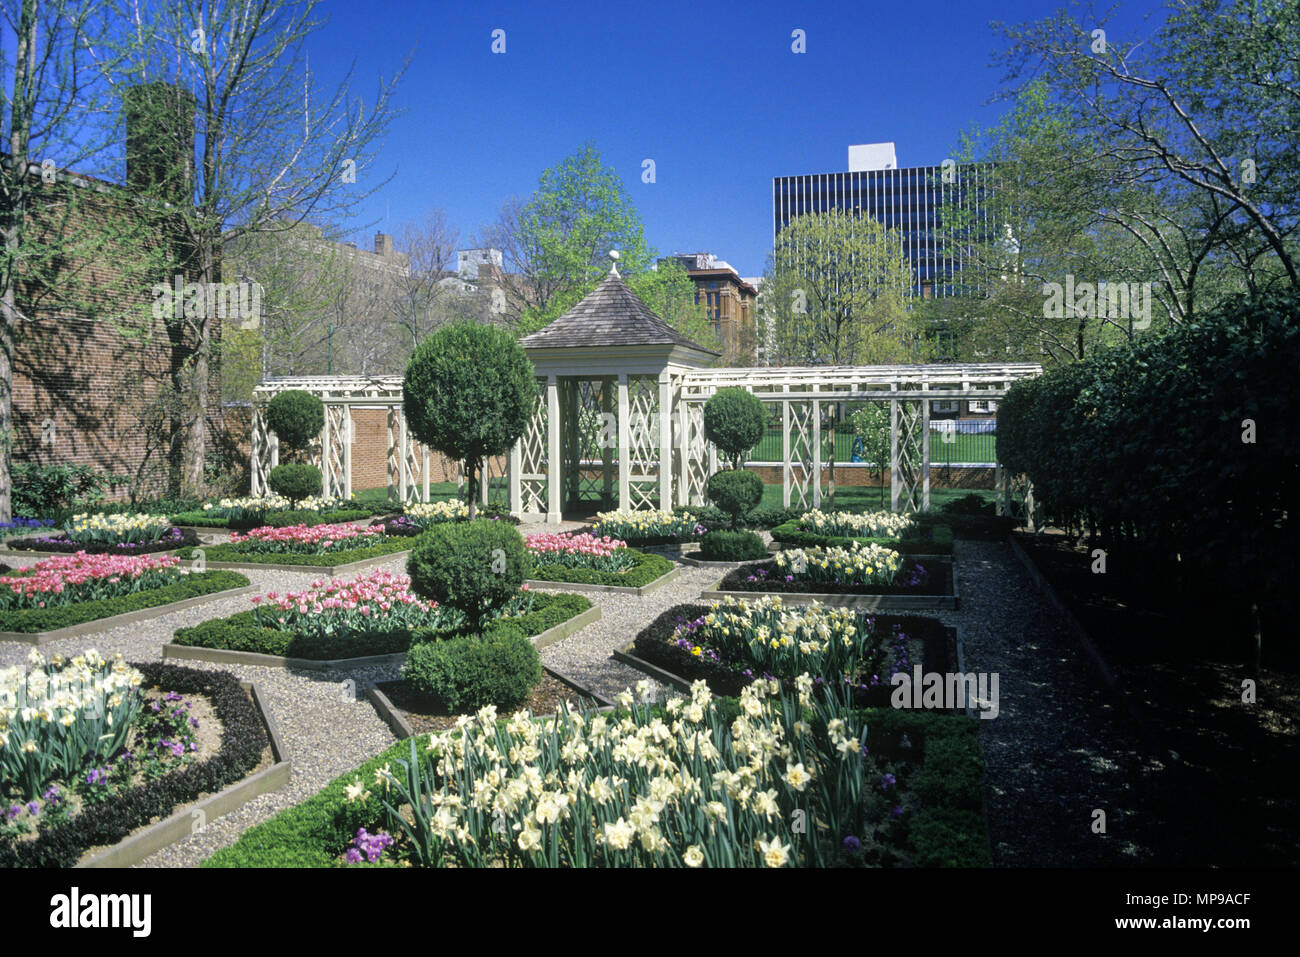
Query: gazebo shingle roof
x=611, y=315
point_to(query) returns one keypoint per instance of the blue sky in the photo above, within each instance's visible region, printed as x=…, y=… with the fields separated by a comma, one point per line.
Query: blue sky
x=711, y=92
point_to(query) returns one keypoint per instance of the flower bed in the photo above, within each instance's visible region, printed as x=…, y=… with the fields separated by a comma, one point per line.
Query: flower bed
x=322, y=545
x=640, y=570
x=731, y=642
x=648, y=528
x=337, y=631
x=69, y=590
x=96, y=540
x=601, y=554
x=919, y=539
x=273, y=510
x=854, y=570
x=101, y=790
x=698, y=782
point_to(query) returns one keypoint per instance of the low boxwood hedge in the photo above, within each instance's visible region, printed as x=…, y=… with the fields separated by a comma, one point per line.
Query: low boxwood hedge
x=29, y=621
x=645, y=568
x=243, y=741
x=933, y=539
x=732, y=546
x=283, y=519
x=316, y=832
x=241, y=632
x=230, y=553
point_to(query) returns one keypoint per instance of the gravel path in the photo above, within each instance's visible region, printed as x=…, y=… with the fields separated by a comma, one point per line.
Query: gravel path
x=1058, y=749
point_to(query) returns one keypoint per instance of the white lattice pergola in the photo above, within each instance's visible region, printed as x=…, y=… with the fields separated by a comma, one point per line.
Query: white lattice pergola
x=618, y=419
x=332, y=450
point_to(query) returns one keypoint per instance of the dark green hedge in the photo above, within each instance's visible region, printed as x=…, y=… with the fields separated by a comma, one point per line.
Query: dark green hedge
x=732, y=546
x=230, y=553
x=32, y=620
x=243, y=741
x=928, y=540
x=240, y=632
x=1144, y=445
x=645, y=569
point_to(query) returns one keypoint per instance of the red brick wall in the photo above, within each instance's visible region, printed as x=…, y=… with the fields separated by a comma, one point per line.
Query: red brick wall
x=86, y=375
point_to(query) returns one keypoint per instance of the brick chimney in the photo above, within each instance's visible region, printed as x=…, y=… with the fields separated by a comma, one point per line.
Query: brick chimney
x=384, y=245
x=160, y=141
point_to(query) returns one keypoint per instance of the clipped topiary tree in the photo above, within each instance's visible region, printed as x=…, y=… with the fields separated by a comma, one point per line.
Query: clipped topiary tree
x=296, y=417
x=469, y=392
x=474, y=566
x=734, y=421
x=295, y=481
x=466, y=673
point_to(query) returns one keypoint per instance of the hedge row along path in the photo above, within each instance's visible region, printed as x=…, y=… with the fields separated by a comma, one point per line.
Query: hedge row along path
x=1058, y=749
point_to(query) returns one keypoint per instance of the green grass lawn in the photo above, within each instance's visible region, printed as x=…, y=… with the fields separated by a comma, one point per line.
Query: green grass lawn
x=962, y=448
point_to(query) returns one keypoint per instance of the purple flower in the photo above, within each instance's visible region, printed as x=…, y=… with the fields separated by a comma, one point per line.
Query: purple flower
x=33, y=808
x=852, y=844
x=789, y=578
x=353, y=856
x=14, y=811
x=897, y=812
x=96, y=776
x=888, y=781
x=171, y=696
x=52, y=794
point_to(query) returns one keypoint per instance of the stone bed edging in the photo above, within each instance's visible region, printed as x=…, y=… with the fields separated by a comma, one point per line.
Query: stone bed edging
x=126, y=618
x=226, y=656
x=402, y=730
x=666, y=578
x=179, y=825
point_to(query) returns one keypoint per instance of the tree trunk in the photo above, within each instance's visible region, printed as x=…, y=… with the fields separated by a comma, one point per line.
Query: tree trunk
x=6, y=404
x=471, y=486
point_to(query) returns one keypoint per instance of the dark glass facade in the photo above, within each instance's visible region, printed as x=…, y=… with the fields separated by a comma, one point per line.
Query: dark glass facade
x=908, y=200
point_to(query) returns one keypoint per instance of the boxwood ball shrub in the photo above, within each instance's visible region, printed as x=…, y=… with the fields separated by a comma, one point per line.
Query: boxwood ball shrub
x=473, y=566
x=736, y=492
x=469, y=392
x=295, y=481
x=737, y=546
x=734, y=421
x=465, y=673
x=296, y=417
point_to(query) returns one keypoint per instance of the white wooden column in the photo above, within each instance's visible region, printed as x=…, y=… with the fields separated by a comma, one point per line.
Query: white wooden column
x=684, y=447
x=785, y=448
x=325, y=489
x=553, y=464
x=514, y=462
x=349, y=437
x=624, y=445
x=817, y=449
x=894, y=485
x=665, y=441
x=925, y=449
x=255, y=455
x=402, y=451
x=424, y=470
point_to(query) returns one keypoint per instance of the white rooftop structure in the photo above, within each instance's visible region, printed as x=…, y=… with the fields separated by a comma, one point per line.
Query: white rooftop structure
x=872, y=156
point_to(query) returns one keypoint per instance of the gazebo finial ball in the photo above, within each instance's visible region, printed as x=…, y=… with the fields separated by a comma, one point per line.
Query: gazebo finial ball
x=613, y=254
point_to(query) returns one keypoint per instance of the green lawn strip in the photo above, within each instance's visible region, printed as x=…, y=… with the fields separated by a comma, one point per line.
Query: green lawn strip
x=241, y=632
x=231, y=553
x=32, y=620
x=948, y=829
x=939, y=542
x=645, y=569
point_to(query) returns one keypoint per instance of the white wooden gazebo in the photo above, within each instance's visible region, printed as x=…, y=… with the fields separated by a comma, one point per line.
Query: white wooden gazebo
x=618, y=420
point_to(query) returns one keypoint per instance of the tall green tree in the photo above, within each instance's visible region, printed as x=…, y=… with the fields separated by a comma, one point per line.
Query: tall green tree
x=274, y=146
x=835, y=292
x=1204, y=115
